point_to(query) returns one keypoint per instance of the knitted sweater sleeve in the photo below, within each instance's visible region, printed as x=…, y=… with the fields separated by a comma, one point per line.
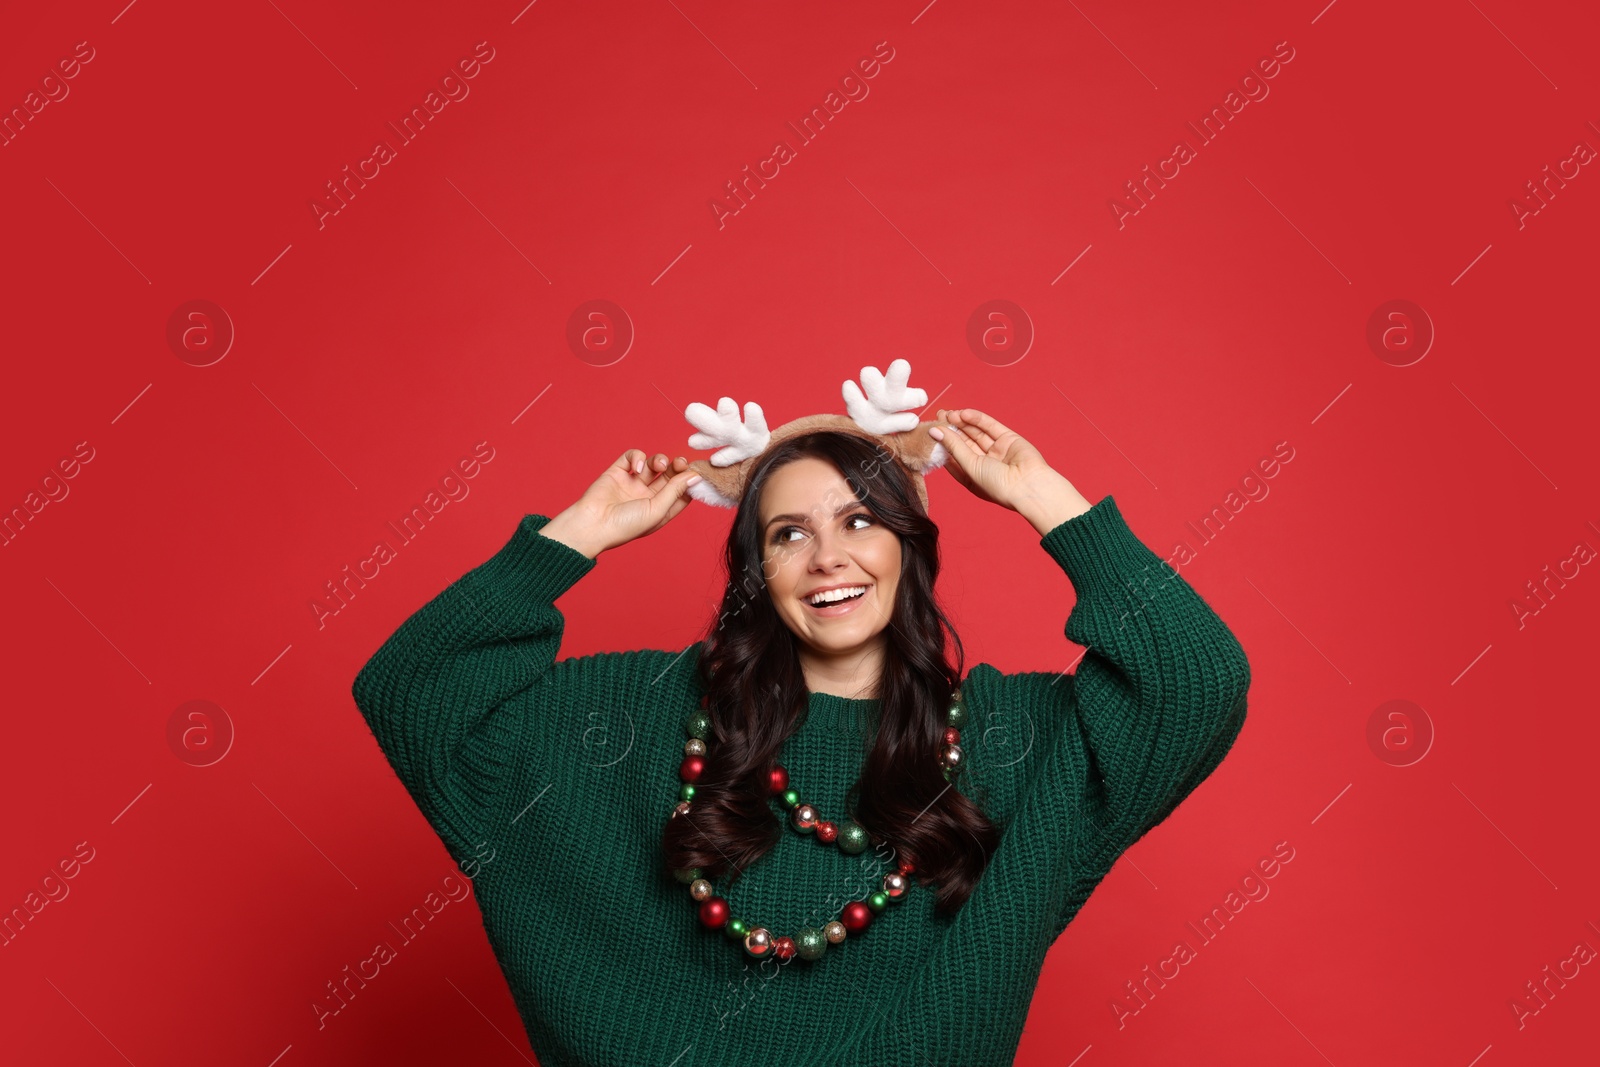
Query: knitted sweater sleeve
x=453, y=696
x=1156, y=703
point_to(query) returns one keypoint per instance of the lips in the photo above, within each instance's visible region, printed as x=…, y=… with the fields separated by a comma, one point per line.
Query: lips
x=838, y=607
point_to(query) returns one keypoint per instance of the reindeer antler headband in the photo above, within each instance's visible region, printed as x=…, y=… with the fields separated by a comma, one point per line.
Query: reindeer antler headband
x=881, y=409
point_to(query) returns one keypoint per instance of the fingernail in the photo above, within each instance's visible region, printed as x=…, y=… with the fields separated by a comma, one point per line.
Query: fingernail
x=936, y=433
x=638, y=466
x=694, y=479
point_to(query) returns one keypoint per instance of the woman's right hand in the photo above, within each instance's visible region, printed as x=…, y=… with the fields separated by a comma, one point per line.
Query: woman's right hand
x=634, y=497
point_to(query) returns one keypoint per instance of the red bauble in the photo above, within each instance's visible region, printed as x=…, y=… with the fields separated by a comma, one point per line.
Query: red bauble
x=714, y=912
x=952, y=736
x=705, y=701
x=777, y=780
x=906, y=868
x=827, y=832
x=855, y=916
x=692, y=768
x=784, y=947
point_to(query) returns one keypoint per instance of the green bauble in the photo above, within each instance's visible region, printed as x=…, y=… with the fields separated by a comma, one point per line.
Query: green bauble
x=687, y=792
x=686, y=875
x=853, y=839
x=698, y=725
x=736, y=929
x=809, y=943
x=878, y=901
x=791, y=798
x=958, y=715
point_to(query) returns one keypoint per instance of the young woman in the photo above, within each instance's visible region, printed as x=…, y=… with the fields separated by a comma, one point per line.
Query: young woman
x=807, y=839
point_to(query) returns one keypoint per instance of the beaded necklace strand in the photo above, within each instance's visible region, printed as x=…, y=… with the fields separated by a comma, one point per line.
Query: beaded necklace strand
x=809, y=943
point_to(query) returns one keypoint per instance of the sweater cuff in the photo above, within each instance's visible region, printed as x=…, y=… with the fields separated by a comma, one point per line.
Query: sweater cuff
x=532, y=566
x=1098, y=546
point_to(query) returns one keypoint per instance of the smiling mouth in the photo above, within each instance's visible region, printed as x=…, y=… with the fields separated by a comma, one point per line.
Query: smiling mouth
x=832, y=606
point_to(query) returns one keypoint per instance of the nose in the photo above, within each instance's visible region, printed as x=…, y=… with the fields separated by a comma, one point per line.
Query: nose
x=827, y=552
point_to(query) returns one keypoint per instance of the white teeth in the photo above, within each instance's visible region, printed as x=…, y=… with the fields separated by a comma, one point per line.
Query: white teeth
x=834, y=595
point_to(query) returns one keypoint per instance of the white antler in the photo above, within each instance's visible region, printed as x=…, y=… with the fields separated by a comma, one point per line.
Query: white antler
x=888, y=407
x=722, y=430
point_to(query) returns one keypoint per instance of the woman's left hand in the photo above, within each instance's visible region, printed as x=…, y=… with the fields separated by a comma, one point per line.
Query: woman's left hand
x=992, y=461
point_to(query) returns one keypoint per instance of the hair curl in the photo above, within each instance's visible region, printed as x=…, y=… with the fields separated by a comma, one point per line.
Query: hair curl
x=901, y=797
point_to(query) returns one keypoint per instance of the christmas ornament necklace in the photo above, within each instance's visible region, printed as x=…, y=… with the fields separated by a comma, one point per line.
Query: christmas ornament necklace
x=809, y=942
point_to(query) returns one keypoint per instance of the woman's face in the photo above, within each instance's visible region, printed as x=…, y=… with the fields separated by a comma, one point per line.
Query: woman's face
x=816, y=535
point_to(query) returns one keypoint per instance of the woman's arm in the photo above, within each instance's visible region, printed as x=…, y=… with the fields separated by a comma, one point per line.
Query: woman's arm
x=435, y=693
x=1157, y=701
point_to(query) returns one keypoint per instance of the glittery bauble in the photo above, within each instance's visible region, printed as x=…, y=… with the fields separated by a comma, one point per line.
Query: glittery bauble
x=700, y=889
x=681, y=809
x=713, y=912
x=758, y=942
x=692, y=768
x=853, y=838
x=855, y=916
x=783, y=948
x=777, y=781
x=686, y=875
x=958, y=713
x=694, y=747
x=895, y=885
x=827, y=832
x=698, y=725
x=810, y=943
x=804, y=818
x=952, y=759
x=952, y=736
x=835, y=932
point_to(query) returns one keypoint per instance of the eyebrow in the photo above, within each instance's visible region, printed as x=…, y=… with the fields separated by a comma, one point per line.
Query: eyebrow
x=806, y=519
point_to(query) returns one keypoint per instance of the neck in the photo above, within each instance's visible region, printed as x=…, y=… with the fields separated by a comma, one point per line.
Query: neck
x=853, y=674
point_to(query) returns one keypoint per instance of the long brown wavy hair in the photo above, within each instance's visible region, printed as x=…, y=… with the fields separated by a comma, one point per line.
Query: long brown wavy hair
x=901, y=797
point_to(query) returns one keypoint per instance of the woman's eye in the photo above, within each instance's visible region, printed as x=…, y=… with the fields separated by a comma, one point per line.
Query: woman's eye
x=782, y=536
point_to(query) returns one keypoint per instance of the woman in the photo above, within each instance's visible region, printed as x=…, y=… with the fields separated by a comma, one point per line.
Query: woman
x=765, y=848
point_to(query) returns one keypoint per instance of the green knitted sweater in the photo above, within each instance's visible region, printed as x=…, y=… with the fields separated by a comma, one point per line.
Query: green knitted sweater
x=567, y=769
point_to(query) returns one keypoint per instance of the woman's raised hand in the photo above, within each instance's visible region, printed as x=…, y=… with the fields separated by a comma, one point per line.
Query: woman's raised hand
x=634, y=497
x=992, y=461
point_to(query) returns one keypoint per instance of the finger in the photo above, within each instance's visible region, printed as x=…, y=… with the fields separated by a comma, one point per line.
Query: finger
x=674, y=491
x=972, y=429
x=986, y=424
x=631, y=461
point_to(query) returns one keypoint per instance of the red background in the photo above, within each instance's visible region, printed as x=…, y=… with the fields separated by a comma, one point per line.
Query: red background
x=373, y=352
